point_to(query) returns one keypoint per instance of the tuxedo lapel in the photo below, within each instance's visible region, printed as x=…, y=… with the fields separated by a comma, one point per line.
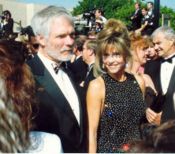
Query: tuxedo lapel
x=46, y=81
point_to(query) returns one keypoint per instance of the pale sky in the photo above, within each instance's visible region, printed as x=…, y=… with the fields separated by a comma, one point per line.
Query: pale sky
x=69, y=4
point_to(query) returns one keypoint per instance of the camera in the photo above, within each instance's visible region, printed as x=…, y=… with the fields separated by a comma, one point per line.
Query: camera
x=27, y=31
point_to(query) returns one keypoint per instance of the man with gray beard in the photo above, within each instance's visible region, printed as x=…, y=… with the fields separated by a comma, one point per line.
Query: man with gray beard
x=59, y=110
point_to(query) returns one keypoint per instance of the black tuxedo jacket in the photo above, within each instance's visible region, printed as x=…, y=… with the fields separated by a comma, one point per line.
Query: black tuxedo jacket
x=153, y=69
x=54, y=112
x=78, y=69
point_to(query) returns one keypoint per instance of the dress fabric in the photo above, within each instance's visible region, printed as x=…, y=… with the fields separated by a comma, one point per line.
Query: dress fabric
x=123, y=111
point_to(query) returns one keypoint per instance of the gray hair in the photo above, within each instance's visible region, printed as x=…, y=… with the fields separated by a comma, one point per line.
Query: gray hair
x=168, y=32
x=41, y=21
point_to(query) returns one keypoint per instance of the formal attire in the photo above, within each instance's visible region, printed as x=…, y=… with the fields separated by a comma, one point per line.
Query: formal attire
x=136, y=19
x=123, y=111
x=162, y=73
x=59, y=110
x=78, y=68
x=42, y=142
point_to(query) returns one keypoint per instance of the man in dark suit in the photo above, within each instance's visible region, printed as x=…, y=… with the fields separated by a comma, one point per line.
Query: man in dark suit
x=162, y=71
x=136, y=17
x=77, y=65
x=59, y=111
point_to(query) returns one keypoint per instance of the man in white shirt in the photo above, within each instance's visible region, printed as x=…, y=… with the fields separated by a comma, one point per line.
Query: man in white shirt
x=162, y=71
x=59, y=110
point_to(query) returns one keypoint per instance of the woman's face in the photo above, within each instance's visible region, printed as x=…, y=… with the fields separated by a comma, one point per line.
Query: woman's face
x=114, y=62
x=142, y=55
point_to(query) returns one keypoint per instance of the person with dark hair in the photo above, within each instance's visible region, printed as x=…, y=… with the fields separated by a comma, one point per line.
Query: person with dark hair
x=18, y=79
x=136, y=17
x=76, y=64
x=156, y=139
x=7, y=24
x=99, y=16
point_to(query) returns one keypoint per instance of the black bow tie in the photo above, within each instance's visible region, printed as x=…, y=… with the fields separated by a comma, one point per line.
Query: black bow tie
x=56, y=67
x=168, y=59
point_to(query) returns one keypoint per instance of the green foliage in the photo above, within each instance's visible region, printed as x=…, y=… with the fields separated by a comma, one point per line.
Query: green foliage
x=118, y=9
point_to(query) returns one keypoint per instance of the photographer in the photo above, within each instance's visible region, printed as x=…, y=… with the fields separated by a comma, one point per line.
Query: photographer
x=6, y=24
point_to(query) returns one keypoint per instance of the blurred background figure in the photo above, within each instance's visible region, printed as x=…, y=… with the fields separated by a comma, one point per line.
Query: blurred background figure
x=100, y=15
x=156, y=140
x=77, y=66
x=136, y=17
x=6, y=24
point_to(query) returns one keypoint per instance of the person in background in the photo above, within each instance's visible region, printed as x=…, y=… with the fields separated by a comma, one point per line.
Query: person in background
x=136, y=17
x=60, y=109
x=7, y=24
x=156, y=140
x=162, y=72
x=77, y=66
x=99, y=15
x=113, y=94
x=151, y=52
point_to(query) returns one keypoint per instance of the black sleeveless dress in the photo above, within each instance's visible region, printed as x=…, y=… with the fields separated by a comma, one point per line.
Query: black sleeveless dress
x=123, y=110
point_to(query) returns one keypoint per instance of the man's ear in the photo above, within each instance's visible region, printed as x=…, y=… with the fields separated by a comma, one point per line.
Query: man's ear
x=41, y=40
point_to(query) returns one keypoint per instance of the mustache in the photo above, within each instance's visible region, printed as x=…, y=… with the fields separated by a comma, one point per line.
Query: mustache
x=66, y=50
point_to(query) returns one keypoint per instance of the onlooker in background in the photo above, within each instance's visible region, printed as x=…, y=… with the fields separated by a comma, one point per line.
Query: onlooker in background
x=99, y=15
x=162, y=71
x=89, y=53
x=7, y=24
x=60, y=110
x=76, y=64
x=113, y=94
x=136, y=17
x=150, y=7
x=156, y=140
x=151, y=52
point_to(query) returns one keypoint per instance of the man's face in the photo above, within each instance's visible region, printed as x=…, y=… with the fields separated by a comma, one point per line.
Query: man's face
x=162, y=45
x=97, y=14
x=85, y=53
x=59, y=43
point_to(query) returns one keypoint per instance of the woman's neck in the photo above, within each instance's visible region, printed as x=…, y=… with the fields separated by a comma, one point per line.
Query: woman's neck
x=119, y=76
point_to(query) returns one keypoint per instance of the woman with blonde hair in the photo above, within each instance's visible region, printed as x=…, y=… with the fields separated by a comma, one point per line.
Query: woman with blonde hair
x=114, y=111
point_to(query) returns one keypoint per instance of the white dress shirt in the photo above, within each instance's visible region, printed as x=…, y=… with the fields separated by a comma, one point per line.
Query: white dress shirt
x=166, y=73
x=64, y=83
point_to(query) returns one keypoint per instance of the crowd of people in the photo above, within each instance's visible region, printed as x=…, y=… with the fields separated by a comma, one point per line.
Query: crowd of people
x=106, y=92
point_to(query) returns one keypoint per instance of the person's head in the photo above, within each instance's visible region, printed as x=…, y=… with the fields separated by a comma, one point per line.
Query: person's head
x=137, y=5
x=54, y=30
x=89, y=51
x=151, y=52
x=139, y=46
x=18, y=78
x=113, y=48
x=78, y=45
x=150, y=5
x=7, y=14
x=98, y=13
x=159, y=140
x=164, y=41
x=13, y=137
x=144, y=11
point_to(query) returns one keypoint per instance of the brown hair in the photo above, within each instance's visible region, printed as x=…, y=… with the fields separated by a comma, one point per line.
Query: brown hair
x=18, y=78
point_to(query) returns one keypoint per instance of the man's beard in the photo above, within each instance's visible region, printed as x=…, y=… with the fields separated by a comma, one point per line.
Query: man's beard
x=58, y=56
